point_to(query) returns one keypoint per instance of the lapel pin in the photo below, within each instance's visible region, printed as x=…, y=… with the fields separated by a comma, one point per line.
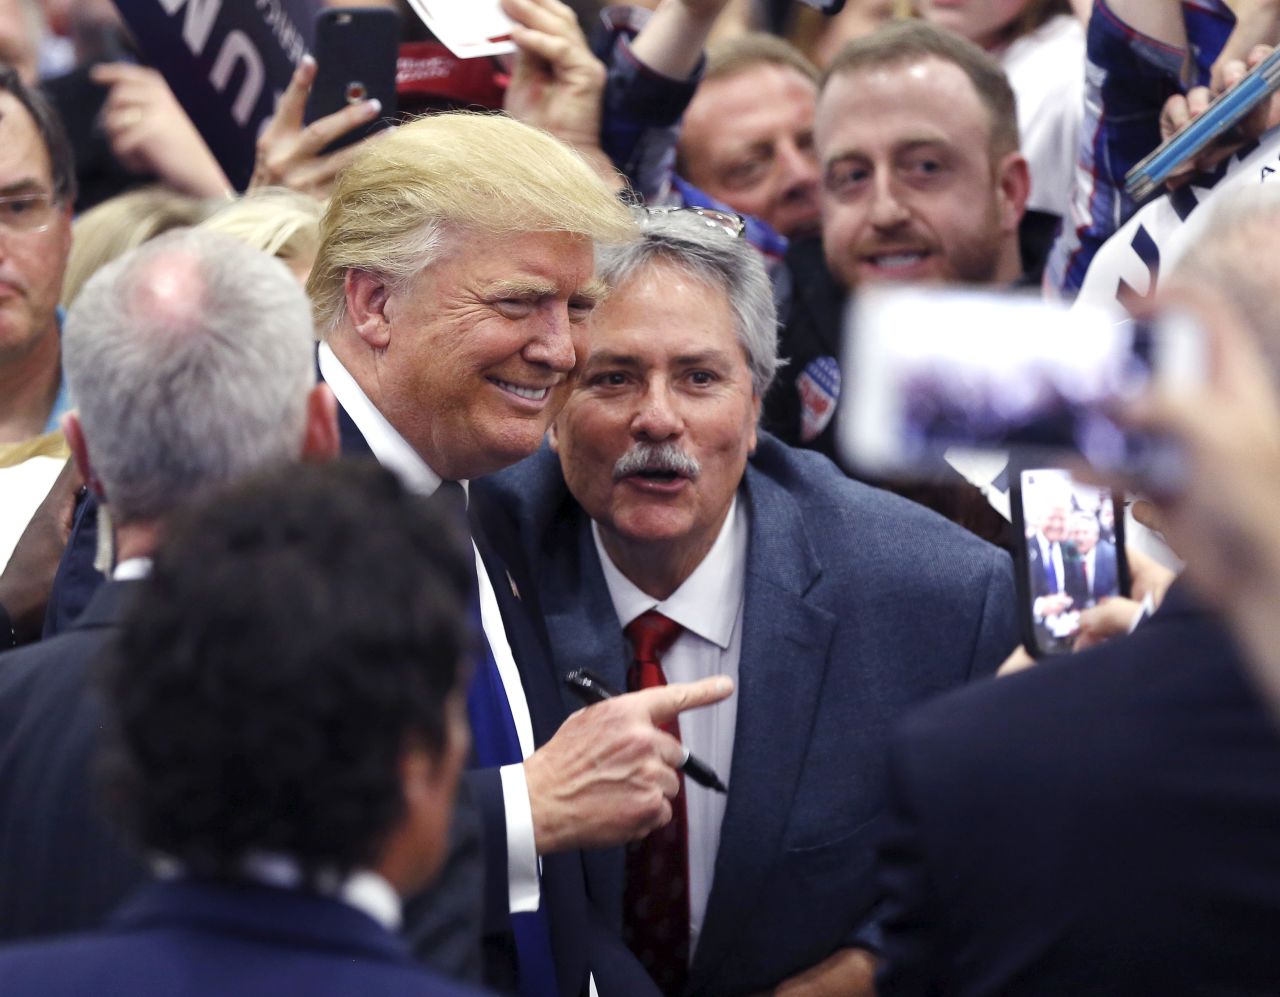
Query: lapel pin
x=512, y=582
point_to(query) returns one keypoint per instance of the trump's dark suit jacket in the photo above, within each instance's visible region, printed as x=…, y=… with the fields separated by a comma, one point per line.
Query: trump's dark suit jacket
x=203, y=939
x=1103, y=824
x=582, y=941
x=858, y=605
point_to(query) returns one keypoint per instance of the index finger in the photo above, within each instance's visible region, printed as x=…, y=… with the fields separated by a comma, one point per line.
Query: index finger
x=293, y=102
x=665, y=703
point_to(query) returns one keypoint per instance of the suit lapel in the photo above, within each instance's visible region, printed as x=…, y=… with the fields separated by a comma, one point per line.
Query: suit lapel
x=785, y=645
x=582, y=602
x=582, y=627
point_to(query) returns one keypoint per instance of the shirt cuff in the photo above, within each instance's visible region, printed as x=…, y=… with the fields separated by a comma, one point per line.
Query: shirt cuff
x=525, y=891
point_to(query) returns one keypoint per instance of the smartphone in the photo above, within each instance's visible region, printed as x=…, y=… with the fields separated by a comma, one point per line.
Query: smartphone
x=356, y=53
x=1149, y=175
x=1070, y=553
x=828, y=7
x=931, y=370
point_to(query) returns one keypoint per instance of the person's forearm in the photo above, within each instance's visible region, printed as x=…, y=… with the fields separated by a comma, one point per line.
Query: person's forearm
x=1158, y=19
x=845, y=973
x=671, y=42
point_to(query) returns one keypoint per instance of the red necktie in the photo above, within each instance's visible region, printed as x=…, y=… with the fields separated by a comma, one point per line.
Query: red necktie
x=656, y=902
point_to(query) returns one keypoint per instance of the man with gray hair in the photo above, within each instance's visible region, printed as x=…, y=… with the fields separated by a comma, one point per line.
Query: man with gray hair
x=191, y=363
x=667, y=532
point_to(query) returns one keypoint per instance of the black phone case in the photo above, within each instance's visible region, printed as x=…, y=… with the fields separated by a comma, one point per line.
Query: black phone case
x=356, y=50
x=1021, y=569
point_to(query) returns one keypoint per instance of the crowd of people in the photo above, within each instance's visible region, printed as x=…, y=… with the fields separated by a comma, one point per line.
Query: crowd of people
x=429, y=570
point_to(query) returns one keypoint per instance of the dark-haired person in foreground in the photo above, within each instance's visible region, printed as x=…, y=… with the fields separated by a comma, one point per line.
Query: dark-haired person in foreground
x=286, y=727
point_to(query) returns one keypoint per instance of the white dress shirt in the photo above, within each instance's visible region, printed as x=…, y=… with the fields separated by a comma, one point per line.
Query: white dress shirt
x=363, y=889
x=394, y=452
x=709, y=607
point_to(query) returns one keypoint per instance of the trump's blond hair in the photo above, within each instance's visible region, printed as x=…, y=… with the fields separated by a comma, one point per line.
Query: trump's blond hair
x=394, y=203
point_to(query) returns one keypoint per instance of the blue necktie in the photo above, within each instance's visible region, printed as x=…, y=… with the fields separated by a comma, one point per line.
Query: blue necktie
x=494, y=744
x=1051, y=576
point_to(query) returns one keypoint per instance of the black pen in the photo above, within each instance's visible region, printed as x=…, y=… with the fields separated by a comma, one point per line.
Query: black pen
x=591, y=690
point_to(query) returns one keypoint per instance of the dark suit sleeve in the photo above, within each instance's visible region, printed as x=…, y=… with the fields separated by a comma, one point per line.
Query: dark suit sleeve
x=995, y=638
x=910, y=911
x=443, y=923
x=997, y=634
x=485, y=788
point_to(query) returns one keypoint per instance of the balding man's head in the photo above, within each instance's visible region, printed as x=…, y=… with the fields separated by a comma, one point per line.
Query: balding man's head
x=190, y=360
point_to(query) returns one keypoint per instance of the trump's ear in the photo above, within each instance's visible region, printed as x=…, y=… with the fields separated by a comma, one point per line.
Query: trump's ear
x=366, y=297
x=320, y=438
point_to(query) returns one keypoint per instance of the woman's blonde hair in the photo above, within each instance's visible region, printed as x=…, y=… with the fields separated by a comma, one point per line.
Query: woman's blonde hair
x=110, y=229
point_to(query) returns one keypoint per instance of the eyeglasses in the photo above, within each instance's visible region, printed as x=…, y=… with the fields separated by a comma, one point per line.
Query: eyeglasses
x=732, y=225
x=26, y=212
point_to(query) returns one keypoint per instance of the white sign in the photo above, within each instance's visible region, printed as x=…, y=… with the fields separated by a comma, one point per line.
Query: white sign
x=1130, y=263
x=468, y=28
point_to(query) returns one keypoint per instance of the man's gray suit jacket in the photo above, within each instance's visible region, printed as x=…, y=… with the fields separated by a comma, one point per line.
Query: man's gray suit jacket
x=858, y=606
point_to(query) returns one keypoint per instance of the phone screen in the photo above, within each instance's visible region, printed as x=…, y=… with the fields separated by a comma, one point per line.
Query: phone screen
x=934, y=369
x=1071, y=551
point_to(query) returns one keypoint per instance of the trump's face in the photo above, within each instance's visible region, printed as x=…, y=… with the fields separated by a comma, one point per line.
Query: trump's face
x=1053, y=523
x=655, y=436
x=481, y=346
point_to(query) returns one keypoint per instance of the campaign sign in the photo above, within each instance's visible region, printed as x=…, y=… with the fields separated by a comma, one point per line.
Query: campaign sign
x=226, y=61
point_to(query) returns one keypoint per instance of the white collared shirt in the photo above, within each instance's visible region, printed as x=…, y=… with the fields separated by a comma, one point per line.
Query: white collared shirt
x=709, y=606
x=394, y=452
x=363, y=889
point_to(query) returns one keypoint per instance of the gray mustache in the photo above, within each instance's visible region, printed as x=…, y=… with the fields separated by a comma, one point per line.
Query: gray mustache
x=656, y=457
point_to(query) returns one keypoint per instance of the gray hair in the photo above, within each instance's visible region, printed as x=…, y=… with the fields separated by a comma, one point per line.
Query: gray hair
x=189, y=360
x=709, y=252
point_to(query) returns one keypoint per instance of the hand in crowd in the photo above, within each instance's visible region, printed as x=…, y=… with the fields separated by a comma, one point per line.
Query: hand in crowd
x=847, y=973
x=1181, y=109
x=1257, y=23
x=149, y=131
x=1149, y=578
x=671, y=42
x=27, y=579
x=557, y=84
x=290, y=153
x=1019, y=658
x=609, y=773
x=1052, y=605
x=1111, y=617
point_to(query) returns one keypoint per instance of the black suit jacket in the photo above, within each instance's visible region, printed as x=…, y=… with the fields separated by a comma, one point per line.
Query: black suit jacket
x=1103, y=824
x=582, y=940
x=194, y=938
x=61, y=867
